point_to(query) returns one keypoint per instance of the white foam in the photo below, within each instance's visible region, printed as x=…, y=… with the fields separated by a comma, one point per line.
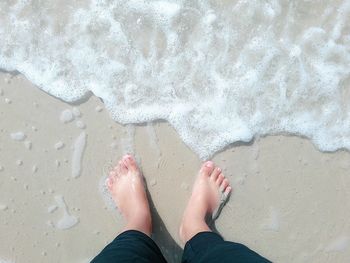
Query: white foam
x=66, y=116
x=217, y=71
x=107, y=198
x=77, y=156
x=67, y=221
x=18, y=136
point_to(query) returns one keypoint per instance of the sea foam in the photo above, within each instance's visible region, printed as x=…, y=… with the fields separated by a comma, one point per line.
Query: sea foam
x=217, y=71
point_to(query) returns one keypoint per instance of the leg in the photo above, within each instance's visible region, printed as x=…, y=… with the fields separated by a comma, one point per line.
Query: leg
x=202, y=245
x=134, y=244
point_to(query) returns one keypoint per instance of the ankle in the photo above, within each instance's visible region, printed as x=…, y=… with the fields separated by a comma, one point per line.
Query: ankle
x=189, y=229
x=140, y=221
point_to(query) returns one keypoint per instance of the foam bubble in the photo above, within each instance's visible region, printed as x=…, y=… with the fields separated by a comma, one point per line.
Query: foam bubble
x=67, y=221
x=18, y=136
x=80, y=125
x=218, y=72
x=77, y=156
x=66, y=116
x=59, y=145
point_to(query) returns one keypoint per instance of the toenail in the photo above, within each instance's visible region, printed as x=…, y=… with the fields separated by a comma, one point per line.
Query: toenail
x=209, y=164
x=219, y=170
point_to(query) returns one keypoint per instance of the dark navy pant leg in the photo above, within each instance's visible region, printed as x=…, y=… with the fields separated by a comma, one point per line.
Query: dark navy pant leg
x=130, y=246
x=209, y=247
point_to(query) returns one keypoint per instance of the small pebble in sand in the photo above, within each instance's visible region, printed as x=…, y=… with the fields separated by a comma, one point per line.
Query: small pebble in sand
x=96, y=232
x=50, y=223
x=80, y=125
x=35, y=104
x=43, y=253
x=25, y=187
x=13, y=211
x=13, y=178
x=153, y=182
x=28, y=145
x=76, y=112
x=35, y=168
x=18, y=136
x=19, y=162
x=51, y=191
x=1, y=168
x=98, y=108
x=58, y=244
x=59, y=145
x=3, y=207
x=34, y=128
x=8, y=101
x=66, y=116
x=57, y=163
x=1, y=92
x=42, y=192
x=7, y=80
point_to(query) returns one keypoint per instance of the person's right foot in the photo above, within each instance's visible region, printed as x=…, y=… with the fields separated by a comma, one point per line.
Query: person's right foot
x=125, y=183
x=205, y=199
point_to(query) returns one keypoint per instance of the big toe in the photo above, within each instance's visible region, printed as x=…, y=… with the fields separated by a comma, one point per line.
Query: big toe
x=130, y=162
x=207, y=168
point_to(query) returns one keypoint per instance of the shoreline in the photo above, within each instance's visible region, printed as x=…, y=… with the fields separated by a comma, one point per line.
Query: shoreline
x=289, y=201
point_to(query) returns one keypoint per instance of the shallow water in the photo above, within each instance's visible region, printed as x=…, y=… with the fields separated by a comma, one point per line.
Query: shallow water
x=218, y=71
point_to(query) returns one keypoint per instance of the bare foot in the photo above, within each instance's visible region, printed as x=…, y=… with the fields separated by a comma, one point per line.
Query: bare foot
x=205, y=199
x=126, y=186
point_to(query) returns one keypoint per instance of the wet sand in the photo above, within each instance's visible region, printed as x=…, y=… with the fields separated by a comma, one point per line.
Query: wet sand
x=290, y=202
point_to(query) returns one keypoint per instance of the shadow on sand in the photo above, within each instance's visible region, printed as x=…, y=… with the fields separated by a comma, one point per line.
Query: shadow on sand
x=170, y=249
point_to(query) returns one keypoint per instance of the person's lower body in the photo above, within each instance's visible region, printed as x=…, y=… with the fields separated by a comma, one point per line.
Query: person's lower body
x=211, y=188
x=205, y=247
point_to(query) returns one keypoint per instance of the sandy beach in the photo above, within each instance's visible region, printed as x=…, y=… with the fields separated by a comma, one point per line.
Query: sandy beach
x=290, y=202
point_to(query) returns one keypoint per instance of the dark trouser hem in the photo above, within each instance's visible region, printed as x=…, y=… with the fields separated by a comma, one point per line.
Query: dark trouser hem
x=131, y=246
x=209, y=247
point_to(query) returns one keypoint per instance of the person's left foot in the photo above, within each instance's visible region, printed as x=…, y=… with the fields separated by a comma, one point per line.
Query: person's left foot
x=126, y=186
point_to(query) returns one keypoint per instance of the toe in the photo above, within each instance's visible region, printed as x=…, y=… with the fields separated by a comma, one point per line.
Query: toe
x=228, y=190
x=224, y=184
x=214, y=175
x=130, y=162
x=207, y=168
x=220, y=179
x=123, y=168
